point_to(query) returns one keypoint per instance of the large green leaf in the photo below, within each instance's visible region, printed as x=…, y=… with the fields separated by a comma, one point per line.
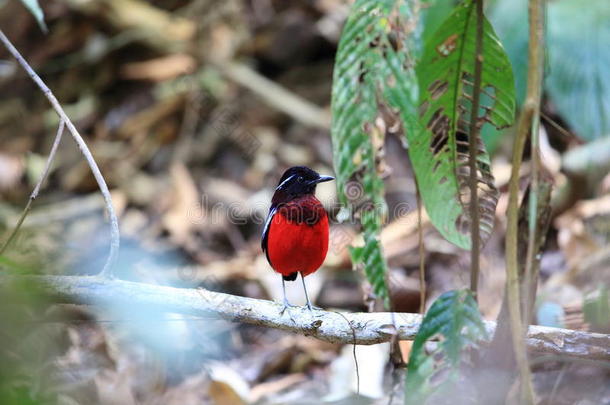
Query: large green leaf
x=578, y=58
x=439, y=147
x=433, y=14
x=579, y=61
x=454, y=320
x=373, y=68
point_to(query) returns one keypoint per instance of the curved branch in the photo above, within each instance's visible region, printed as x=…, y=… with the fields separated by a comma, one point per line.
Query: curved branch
x=348, y=328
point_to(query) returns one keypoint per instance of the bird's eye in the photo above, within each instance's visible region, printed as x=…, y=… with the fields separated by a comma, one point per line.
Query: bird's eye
x=300, y=179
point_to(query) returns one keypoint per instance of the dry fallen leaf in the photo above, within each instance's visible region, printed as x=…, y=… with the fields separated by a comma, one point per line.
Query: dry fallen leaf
x=184, y=201
x=261, y=390
x=582, y=231
x=405, y=348
x=11, y=170
x=159, y=69
x=227, y=387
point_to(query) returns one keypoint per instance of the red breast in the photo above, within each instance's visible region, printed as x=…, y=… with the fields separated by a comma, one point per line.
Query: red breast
x=298, y=237
x=295, y=238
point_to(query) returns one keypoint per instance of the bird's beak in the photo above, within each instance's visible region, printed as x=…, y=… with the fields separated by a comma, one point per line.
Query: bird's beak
x=322, y=179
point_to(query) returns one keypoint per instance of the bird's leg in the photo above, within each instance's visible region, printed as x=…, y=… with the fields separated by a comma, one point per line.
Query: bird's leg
x=286, y=303
x=309, y=306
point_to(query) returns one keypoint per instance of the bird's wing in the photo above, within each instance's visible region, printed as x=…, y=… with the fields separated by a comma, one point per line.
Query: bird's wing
x=265, y=235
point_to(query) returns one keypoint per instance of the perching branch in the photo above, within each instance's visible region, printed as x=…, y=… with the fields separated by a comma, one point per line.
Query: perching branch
x=114, y=223
x=348, y=328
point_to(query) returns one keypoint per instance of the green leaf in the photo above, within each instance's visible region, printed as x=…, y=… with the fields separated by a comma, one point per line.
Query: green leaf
x=439, y=146
x=597, y=310
x=434, y=13
x=12, y=266
x=578, y=58
x=454, y=320
x=508, y=18
x=36, y=11
x=373, y=68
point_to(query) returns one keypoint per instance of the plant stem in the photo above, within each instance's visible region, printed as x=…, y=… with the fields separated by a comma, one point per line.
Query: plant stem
x=473, y=149
x=530, y=111
x=82, y=146
x=512, y=274
x=537, y=29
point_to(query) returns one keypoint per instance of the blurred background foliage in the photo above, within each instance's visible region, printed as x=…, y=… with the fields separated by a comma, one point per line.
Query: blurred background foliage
x=193, y=108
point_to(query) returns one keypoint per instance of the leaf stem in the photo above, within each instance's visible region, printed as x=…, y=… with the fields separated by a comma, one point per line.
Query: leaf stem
x=473, y=146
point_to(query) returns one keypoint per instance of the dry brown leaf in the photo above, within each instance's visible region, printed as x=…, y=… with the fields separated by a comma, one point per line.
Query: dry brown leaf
x=261, y=390
x=405, y=348
x=159, y=69
x=162, y=28
x=184, y=201
x=577, y=234
x=11, y=170
x=227, y=387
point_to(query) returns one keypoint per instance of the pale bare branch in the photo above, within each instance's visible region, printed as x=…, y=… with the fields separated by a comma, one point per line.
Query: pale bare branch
x=348, y=328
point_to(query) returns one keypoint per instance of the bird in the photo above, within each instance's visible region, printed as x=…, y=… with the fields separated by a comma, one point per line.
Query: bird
x=296, y=232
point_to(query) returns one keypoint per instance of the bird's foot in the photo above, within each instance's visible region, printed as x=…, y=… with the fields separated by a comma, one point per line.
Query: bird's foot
x=286, y=306
x=312, y=307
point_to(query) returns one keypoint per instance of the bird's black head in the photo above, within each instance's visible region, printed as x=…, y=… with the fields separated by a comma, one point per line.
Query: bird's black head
x=300, y=180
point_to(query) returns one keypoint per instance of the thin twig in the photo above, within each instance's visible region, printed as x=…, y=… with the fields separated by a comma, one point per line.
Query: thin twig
x=43, y=176
x=422, y=254
x=353, y=352
x=556, y=125
x=473, y=152
x=360, y=328
x=82, y=146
